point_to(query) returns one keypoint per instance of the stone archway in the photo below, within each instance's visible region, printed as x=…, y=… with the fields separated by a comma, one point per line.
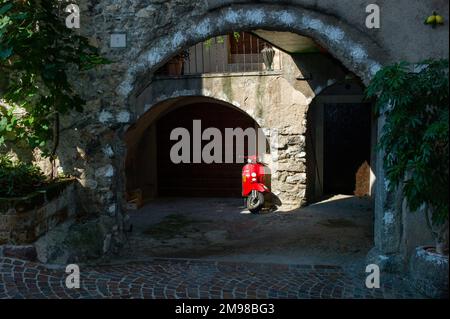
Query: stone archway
x=356, y=50
x=360, y=54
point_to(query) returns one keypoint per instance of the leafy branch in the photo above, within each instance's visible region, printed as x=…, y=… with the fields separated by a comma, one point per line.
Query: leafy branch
x=414, y=99
x=36, y=52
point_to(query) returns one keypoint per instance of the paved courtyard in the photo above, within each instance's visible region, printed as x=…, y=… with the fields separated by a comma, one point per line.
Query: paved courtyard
x=337, y=231
x=182, y=249
x=169, y=278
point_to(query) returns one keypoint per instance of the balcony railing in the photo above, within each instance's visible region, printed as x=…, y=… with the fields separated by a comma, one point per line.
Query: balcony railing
x=234, y=53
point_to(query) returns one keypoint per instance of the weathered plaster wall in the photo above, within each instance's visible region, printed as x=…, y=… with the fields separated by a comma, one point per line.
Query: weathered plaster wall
x=92, y=145
x=414, y=231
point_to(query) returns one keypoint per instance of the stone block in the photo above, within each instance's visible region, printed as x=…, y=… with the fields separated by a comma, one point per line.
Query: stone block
x=297, y=178
x=429, y=272
x=291, y=166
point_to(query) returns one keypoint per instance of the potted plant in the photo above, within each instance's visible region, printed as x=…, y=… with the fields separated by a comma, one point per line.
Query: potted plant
x=414, y=100
x=268, y=54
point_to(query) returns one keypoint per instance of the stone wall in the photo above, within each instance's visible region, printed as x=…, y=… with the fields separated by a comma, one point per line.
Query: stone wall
x=22, y=227
x=92, y=146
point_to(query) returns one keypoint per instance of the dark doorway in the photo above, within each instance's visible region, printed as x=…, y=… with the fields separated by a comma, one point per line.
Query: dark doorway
x=199, y=179
x=347, y=137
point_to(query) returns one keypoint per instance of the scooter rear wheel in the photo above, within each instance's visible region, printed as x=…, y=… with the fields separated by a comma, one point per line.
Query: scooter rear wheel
x=255, y=202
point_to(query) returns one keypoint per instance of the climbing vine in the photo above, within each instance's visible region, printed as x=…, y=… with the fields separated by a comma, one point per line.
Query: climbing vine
x=414, y=99
x=36, y=52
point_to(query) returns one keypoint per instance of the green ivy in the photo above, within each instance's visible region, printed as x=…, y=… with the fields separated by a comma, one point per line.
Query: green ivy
x=36, y=52
x=414, y=99
x=220, y=39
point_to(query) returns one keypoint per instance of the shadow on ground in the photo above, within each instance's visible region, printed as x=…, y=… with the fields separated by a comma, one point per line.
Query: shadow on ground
x=337, y=231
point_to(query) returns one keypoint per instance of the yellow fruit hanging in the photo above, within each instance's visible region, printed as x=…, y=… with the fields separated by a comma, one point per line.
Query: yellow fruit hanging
x=431, y=19
x=434, y=20
x=439, y=19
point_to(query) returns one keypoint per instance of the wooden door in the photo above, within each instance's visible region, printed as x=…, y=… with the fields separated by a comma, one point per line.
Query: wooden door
x=203, y=180
x=347, y=130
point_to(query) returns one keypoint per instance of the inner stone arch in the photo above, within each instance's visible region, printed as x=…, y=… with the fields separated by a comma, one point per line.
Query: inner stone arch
x=149, y=171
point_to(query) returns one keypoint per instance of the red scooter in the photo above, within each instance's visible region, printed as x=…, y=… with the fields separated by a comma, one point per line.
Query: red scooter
x=254, y=187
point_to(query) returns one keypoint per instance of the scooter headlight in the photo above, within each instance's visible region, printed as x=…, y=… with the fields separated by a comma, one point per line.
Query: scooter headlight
x=253, y=174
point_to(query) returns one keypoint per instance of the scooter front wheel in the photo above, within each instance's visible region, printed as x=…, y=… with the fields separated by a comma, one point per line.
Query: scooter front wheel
x=255, y=202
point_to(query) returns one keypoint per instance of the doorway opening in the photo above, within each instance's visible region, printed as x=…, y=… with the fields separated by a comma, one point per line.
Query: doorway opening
x=200, y=179
x=340, y=134
x=195, y=210
x=152, y=172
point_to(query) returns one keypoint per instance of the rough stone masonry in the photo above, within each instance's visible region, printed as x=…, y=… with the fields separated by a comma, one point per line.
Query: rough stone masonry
x=92, y=147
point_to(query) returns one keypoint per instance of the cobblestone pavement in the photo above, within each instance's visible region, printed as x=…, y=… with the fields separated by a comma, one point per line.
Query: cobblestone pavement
x=173, y=278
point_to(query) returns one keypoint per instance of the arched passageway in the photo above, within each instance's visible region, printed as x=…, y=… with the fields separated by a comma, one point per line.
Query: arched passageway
x=357, y=50
x=354, y=49
x=200, y=179
x=340, y=142
x=278, y=99
x=153, y=167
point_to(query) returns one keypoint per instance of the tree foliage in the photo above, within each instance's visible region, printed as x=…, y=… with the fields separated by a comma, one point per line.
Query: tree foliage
x=36, y=52
x=19, y=178
x=414, y=99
